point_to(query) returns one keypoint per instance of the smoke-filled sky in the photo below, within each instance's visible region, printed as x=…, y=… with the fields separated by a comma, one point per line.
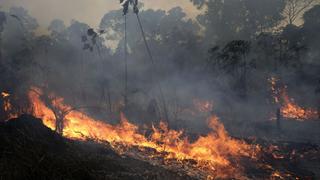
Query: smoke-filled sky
x=88, y=11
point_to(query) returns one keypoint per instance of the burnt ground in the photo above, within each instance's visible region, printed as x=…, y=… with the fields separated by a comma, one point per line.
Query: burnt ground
x=30, y=150
x=290, y=160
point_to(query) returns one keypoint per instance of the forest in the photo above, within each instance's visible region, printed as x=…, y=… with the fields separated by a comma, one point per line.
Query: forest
x=233, y=93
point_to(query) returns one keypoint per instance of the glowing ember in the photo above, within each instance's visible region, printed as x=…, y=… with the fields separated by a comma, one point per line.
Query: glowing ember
x=275, y=91
x=278, y=175
x=216, y=154
x=6, y=103
x=5, y=94
x=289, y=109
x=7, y=106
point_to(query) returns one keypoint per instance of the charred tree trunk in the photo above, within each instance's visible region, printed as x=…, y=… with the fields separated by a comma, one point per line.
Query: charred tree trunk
x=2, y=111
x=109, y=99
x=278, y=116
x=106, y=96
x=59, y=114
x=59, y=124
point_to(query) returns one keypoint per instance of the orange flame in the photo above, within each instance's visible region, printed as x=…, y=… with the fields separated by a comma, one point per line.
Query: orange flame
x=289, y=109
x=5, y=94
x=215, y=153
x=6, y=103
x=275, y=91
x=7, y=106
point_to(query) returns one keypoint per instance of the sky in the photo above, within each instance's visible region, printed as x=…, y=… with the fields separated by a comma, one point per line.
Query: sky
x=87, y=11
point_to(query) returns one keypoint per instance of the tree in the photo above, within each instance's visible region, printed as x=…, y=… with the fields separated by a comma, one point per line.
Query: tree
x=173, y=40
x=312, y=22
x=294, y=8
x=239, y=19
x=310, y=32
x=232, y=59
x=2, y=21
x=56, y=27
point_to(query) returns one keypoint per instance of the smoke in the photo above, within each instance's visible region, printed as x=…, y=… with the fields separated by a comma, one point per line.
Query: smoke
x=229, y=65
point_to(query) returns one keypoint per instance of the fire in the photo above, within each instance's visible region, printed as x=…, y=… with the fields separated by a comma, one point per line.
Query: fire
x=278, y=175
x=289, y=109
x=5, y=94
x=292, y=111
x=7, y=106
x=6, y=101
x=275, y=91
x=216, y=154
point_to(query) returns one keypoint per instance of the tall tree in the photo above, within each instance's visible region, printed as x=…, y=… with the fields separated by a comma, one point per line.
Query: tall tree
x=239, y=19
x=295, y=8
x=232, y=60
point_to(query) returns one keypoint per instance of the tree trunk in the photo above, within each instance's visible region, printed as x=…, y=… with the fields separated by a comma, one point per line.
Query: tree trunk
x=278, y=119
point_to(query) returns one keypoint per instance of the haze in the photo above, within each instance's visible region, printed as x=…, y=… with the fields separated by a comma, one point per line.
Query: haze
x=88, y=11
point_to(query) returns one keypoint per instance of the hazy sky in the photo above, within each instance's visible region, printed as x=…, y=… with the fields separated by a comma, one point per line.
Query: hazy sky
x=88, y=11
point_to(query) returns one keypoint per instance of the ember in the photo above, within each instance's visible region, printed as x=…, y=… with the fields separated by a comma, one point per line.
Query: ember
x=5, y=94
x=6, y=104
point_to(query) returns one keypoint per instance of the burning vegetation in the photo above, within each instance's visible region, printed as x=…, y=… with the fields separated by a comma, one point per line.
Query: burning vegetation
x=7, y=106
x=288, y=108
x=216, y=154
x=211, y=156
x=291, y=110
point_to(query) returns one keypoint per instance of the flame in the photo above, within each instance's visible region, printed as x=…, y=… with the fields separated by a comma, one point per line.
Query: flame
x=276, y=175
x=5, y=94
x=6, y=102
x=216, y=153
x=275, y=91
x=279, y=175
x=7, y=106
x=289, y=109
